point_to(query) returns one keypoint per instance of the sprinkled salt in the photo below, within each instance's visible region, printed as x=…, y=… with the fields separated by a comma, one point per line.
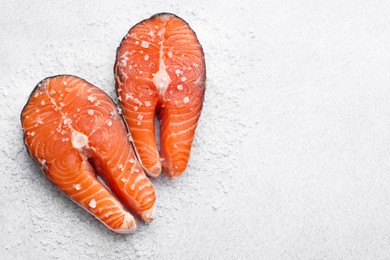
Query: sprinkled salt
x=43, y=162
x=131, y=160
x=136, y=170
x=146, y=57
x=65, y=83
x=151, y=33
x=37, y=110
x=109, y=122
x=132, y=187
x=135, y=108
x=91, y=98
x=120, y=166
x=92, y=203
x=147, y=103
x=90, y=112
x=68, y=89
x=78, y=109
x=145, y=44
x=178, y=72
x=169, y=54
x=186, y=100
x=180, y=87
x=32, y=133
x=140, y=117
x=77, y=186
x=136, y=42
x=62, y=104
x=183, y=78
x=42, y=102
x=123, y=179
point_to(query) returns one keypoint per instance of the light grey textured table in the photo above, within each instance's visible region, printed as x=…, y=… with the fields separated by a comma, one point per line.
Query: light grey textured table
x=292, y=153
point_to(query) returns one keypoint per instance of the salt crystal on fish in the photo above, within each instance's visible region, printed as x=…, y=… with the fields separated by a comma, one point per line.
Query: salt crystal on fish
x=92, y=203
x=77, y=186
x=145, y=44
x=91, y=98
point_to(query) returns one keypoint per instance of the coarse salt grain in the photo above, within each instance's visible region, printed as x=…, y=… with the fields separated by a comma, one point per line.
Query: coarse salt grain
x=145, y=44
x=77, y=186
x=92, y=203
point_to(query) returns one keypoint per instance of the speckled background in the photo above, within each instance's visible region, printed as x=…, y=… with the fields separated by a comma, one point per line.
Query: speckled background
x=291, y=157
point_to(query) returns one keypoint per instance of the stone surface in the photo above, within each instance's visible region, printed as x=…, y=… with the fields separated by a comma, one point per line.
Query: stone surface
x=291, y=157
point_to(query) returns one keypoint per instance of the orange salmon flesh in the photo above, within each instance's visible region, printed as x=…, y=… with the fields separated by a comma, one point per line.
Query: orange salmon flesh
x=73, y=131
x=160, y=70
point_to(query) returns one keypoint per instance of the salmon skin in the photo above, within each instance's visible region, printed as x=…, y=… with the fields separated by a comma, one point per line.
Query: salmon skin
x=72, y=129
x=160, y=69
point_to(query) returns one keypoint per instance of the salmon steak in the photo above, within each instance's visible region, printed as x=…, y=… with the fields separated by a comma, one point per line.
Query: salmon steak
x=160, y=70
x=74, y=132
